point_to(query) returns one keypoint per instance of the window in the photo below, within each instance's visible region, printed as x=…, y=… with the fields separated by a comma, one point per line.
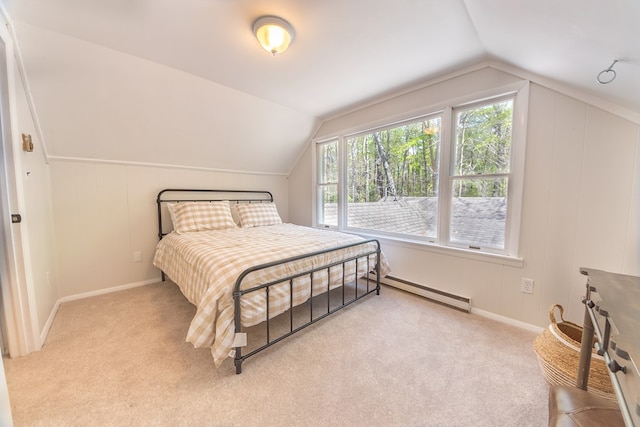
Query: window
x=392, y=178
x=328, y=183
x=481, y=166
x=451, y=177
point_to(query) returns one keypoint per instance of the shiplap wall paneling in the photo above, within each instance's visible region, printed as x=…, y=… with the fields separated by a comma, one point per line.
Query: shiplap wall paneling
x=537, y=189
x=90, y=213
x=605, y=195
x=106, y=212
x=558, y=240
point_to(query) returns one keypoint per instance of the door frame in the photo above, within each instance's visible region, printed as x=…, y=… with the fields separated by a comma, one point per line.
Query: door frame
x=20, y=334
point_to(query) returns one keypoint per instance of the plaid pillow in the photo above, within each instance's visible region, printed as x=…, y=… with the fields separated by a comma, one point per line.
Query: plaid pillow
x=200, y=216
x=258, y=214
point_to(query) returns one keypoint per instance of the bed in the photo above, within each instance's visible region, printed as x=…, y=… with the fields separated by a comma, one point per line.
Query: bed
x=253, y=279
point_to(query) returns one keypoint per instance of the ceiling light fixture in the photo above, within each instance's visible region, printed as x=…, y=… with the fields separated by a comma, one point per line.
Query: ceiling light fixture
x=274, y=34
x=608, y=75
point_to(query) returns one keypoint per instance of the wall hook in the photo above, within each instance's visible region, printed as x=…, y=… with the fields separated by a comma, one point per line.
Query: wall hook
x=608, y=75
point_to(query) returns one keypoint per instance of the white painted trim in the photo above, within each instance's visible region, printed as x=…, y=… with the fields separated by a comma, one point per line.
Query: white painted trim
x=314, y=183
x=507, y=320
x=23, y=251
x=47, y=326
x=109, y=290
x=22, y=324
x=515, y=198
x=445, y=170
x=159, y=165
x=447, y=250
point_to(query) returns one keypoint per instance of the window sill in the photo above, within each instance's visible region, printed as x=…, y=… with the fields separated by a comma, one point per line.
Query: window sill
x=445, y=250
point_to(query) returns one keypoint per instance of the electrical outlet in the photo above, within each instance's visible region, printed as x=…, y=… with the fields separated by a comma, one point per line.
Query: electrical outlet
x=137, y=256
x=527, y=285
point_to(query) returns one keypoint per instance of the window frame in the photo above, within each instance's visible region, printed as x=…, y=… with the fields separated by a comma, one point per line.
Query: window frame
x=318, y=184
x=519, y=92
x=397, y=123
x=452, y=176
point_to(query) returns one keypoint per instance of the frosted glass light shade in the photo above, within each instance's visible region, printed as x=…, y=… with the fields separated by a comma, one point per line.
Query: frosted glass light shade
x=274, y=34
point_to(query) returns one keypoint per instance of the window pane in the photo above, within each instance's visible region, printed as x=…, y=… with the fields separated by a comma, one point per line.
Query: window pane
x=479, y=212
x=483, y=139
x=328, y=206
x=392, y=179
x=328, y=162
x=327, y=211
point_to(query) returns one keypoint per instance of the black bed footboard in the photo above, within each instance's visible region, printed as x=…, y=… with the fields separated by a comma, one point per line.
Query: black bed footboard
x=321, y=301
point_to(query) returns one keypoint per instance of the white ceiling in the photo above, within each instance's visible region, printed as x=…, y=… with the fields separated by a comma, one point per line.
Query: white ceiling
x=347, y=52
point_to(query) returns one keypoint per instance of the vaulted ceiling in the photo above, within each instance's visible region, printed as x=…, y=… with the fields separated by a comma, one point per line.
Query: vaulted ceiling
x=229, y=104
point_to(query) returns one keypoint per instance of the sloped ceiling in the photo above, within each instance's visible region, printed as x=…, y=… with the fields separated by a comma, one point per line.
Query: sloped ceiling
x=185, y=82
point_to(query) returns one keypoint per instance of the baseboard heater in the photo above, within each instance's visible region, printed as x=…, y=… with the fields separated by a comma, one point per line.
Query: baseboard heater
x=450, y=300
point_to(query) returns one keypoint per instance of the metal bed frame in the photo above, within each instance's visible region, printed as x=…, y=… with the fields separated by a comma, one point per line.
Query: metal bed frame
x=345, y=293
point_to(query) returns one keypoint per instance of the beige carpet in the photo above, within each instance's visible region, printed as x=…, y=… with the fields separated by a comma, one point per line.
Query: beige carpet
x=390, y=360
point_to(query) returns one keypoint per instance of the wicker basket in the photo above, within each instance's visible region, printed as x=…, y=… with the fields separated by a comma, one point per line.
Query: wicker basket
x=558, y=351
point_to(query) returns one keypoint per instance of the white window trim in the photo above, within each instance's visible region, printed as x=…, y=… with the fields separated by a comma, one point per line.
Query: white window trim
x=444, y=182
x=510, y=255
x=515, y=197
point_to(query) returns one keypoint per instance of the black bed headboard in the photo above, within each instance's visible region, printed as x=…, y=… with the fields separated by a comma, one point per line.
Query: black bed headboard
x=176, y=195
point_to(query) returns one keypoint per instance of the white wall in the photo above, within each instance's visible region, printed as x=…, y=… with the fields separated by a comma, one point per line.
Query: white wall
x=99, y=103
x=301, y=187
x=103, y=212
x=581, y=201
x=581, y=196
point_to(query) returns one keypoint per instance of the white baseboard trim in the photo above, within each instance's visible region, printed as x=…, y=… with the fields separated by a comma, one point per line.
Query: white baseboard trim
x=108, y=290
x=47, y=326
x=507, y=320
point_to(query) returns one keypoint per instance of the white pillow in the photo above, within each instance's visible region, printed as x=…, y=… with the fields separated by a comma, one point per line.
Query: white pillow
x=200, y=216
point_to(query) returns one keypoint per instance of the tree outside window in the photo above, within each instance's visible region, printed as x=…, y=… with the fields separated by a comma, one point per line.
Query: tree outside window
x=392, y=178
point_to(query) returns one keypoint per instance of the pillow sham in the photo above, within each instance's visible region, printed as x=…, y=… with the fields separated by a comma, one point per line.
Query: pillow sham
x=257, y=214
x=200, y=216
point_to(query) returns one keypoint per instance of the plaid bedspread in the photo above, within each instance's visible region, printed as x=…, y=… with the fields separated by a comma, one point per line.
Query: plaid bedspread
x=206, y=264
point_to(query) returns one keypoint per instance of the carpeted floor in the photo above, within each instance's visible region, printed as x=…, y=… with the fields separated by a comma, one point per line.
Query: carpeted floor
x=391, y=360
